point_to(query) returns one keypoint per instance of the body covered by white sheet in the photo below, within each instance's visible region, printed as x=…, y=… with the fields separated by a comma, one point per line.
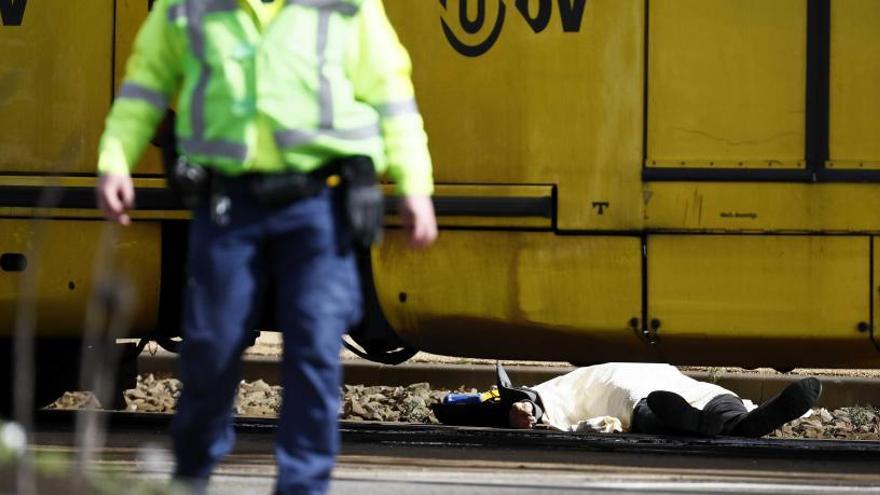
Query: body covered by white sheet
x=602, y=397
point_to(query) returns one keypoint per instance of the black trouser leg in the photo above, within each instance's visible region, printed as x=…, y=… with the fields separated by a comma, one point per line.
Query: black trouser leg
x=795, y=400
x=645, y=421
x=728, y=409
x=667, y=413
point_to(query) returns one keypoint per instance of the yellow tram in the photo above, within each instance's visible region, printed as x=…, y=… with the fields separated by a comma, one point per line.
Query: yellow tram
x=692, y=181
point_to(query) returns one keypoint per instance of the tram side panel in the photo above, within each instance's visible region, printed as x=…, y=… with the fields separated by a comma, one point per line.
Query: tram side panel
x=854, y=138
x=516, y=295
x=726, y=84
x=738, y=105
x=761, y=300
x=855, y=76
x=55, y=90
x=542, y=106
x=725, y=90
x=516, y=94
x=54, y=85
x=548, y=94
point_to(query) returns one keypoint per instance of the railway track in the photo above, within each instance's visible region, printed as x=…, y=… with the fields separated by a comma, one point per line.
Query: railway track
x=837, y=391
x=397, y=434
x=395, y=458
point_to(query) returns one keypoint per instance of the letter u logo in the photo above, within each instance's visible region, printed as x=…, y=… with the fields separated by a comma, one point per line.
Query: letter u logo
x=470, y=16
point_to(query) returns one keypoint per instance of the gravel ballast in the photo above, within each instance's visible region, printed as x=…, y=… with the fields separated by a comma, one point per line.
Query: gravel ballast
x=412, y=404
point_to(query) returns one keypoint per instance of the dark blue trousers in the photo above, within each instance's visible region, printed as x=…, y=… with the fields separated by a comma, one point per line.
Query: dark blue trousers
x=296, y=250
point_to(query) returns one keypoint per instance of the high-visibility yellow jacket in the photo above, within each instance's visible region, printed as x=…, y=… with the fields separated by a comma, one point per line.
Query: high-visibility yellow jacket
x=322, y=79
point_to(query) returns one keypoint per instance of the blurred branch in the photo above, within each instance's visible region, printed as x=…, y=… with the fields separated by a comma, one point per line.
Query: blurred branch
x=26, y=314
x=108, y=317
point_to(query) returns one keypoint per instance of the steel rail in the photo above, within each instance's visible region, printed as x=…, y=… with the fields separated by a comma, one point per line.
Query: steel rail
x=398, y=434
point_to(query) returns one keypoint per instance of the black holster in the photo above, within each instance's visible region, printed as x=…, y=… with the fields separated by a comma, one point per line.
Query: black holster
x=361, y=200
x=191, y=184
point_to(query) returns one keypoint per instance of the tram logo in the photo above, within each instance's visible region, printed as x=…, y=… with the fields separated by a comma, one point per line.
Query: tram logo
x=12, y=12
x=481, y=21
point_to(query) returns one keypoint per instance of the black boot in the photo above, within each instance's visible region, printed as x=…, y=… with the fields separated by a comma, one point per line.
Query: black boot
x=795, y=400
x=677, y=414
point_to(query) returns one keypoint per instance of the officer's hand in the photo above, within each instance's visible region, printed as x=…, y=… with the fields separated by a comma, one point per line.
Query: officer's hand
x=115, y=194
x=417, y=215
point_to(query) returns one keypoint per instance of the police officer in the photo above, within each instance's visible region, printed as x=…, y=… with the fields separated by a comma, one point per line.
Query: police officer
x=265, y=88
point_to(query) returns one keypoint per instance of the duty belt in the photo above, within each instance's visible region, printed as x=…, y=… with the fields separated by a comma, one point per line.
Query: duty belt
x=358, y=194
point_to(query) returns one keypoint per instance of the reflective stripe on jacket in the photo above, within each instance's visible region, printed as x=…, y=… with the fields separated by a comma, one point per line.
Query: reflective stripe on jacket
x=329, y=77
